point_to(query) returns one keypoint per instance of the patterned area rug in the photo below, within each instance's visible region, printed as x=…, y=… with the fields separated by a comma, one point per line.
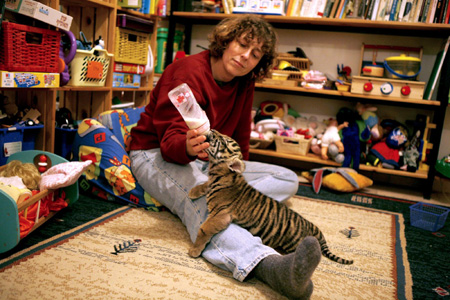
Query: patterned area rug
x=135, y=254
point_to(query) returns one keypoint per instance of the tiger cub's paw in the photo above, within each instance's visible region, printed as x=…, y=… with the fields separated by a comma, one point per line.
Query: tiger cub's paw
x=197, y=192
x=194, y=252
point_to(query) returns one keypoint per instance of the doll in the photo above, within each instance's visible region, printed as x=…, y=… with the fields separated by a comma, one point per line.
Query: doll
x=19, y=179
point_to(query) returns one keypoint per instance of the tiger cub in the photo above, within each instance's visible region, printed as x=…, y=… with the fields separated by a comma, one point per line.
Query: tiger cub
x=231, y=199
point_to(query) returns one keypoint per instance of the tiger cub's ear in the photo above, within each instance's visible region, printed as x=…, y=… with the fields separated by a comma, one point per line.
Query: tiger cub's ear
x=236, y=165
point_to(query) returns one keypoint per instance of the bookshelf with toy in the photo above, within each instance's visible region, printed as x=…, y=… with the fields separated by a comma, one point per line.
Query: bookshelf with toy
x=95, y=18
x=435, y=107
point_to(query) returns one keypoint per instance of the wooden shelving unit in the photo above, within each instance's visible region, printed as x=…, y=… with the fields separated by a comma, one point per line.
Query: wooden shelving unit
x=437, y=107
x=95, y=18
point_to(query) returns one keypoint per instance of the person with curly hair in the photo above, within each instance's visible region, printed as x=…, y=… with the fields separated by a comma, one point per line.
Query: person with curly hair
x=168, y=159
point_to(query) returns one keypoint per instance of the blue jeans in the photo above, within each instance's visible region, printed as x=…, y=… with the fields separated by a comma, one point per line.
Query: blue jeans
x=234, y=249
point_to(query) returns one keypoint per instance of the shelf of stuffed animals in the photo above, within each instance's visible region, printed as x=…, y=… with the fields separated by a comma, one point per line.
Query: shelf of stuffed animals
x=356, y=25
x=264, y=154
x=301, y=90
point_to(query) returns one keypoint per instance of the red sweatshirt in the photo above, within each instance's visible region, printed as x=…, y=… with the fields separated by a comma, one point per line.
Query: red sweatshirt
x=228, y=108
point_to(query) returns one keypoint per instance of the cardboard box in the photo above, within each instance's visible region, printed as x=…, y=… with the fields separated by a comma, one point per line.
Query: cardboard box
x=29, y=80
x=128, y=68
x=41, y=12
x=126, y=80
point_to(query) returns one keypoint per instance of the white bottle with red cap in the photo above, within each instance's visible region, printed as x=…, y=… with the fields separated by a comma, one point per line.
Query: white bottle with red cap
x=194, y=116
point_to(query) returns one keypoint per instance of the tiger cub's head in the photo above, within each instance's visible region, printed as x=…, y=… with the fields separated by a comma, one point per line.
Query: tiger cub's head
x=223, y=149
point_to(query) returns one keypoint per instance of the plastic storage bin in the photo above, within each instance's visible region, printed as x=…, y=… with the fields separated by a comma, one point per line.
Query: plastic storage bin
x=16, y=139
x=428, y=216
x=63, y=142
x=89, y=68
x=292, y=145
x=131, y=46
x=29, y=49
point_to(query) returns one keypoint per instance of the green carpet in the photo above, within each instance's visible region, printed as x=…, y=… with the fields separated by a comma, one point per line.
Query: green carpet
x=428, y=254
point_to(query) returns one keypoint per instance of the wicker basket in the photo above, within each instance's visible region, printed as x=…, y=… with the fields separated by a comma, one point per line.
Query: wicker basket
x=292, y=145
x=28, y=49
x=259, y=143
x=303, y=64
x=131, y=46
x=89, y=68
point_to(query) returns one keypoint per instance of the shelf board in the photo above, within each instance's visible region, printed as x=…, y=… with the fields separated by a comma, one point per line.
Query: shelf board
x=84, y=89
x=141, y=89
x=347, y=94
x=90, y=3
x=136, y=13
x=356, y=24
x=312, y=158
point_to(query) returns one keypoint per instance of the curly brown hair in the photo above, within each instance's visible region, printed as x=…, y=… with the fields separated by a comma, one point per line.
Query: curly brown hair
x=249, y=27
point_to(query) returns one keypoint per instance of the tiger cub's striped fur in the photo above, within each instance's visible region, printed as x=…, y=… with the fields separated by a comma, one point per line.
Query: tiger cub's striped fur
x=231, y=199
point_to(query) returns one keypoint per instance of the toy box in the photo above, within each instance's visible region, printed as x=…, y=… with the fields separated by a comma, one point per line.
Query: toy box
x=41, y=12
x=126, y=80
x=29, y=80
x=128, y=68
x=268, y=7
x=16, y=139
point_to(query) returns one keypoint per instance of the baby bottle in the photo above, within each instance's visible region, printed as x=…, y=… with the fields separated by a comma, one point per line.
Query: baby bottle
x=194, y=116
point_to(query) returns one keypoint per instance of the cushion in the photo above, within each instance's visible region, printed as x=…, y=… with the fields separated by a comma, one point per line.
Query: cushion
x=109, y=176
x=120, y=122
x=338, y=179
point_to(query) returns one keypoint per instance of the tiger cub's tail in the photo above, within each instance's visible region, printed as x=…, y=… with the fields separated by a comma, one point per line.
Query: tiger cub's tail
x=327, y=253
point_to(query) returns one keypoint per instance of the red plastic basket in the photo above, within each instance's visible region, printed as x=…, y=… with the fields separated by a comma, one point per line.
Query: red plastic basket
x=28, y=49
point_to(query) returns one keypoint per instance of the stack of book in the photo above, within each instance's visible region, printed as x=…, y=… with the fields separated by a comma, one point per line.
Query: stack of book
x=425, y=11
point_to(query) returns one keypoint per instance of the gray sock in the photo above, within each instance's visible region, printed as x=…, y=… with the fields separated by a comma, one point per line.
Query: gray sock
x=290, y=275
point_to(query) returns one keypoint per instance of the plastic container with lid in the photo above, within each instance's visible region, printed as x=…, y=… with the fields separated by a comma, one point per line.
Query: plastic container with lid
x=402, y=67
x=194, y=116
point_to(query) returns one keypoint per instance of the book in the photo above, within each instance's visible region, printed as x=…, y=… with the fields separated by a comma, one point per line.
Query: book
x=393, y=10
x=436, y=71
x=307, y=7
x=417, y=12
x=334, y=9
x=407, y=14
x=341, y=12
x=388, y=8
x=373, y=15
x=319, y=9
x=297, y=7
x=381, y=10
x=401, y=11
x=439, y=12
x=328, y=7
x=289, y=8
x=432, y=11
x=424, y=13
x=447, y=13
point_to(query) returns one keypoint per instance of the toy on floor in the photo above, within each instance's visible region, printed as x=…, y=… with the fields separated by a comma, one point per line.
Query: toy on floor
x=18, y=179
x=337, y=179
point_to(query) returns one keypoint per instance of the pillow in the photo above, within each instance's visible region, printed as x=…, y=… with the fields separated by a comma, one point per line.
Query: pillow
x=337, y=179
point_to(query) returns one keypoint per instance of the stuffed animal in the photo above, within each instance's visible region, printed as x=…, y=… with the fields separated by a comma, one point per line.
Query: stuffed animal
x=387, y=151
x=370, y=118
x=352, y=136
x=331, y=136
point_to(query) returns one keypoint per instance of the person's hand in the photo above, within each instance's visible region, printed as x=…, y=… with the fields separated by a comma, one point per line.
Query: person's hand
x=195, y=144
